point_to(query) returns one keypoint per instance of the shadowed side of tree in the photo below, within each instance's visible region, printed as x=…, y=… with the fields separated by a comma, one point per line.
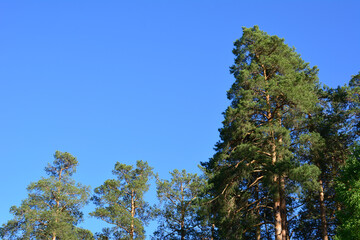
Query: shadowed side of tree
x=331, y=128
x=348, y=196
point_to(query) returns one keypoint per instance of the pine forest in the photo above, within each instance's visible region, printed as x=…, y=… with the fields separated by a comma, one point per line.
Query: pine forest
x=286, y=166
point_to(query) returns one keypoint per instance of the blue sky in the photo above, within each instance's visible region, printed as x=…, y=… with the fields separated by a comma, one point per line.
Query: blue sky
x=120, y=81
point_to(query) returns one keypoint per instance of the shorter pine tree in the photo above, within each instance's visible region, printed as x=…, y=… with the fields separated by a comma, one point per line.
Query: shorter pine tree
x=52, y=208
x=120, y=202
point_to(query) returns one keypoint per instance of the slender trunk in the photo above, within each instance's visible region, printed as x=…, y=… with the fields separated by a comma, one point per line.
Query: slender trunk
x=182, y=231
x=132, y=230
x=57, y=201
x=284, y=232
x=182, y=221
x=282, y=193
x=277, y=213
x=323, y=212
x=258, y=228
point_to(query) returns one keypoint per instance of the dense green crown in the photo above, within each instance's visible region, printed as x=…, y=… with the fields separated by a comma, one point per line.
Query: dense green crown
x=348, y=195
x=274, y=89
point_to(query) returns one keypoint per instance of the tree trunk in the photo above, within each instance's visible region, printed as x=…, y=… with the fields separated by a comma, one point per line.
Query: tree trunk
x=132, y=230
x=323, y=212
x=57, y=202
x=282, y=193
x=182, y=230
x=284, y=232
x=258, y=228
x=276, y=180
x=277, y=214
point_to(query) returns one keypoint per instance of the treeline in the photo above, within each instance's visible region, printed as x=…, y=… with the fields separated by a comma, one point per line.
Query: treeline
x=287, y=166
x=53, y=207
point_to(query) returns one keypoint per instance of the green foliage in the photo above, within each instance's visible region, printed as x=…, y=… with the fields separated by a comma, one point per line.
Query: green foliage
x=52, y=209
x=348, y=194
x=84, y=234
x=354, y=99
x=307, y=176
x=326, y=146
x=120, y=202
x=178, y=217
x=273, y=94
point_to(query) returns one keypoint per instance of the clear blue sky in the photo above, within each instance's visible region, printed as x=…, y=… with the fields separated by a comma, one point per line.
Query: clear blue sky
x=125, y=80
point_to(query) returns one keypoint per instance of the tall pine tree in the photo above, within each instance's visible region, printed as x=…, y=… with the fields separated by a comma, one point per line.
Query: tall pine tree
x=272, y=96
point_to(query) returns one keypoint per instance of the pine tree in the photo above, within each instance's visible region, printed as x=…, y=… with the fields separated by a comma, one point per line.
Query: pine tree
x=326, y=146
x=120, y=202
x=272, y=96
x=332, y=129
x=53, y=207
x=178, y=217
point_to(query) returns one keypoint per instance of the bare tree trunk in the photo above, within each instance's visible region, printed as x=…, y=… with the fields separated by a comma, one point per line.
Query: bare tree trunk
x=282, y=193
x=276, y=182
x=323, y=212
x=284, y=232
x=277, y=214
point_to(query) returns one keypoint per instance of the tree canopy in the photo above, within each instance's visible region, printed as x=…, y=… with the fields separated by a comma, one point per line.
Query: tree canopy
x=120, y=202
x=178, y=216
x=53, y=206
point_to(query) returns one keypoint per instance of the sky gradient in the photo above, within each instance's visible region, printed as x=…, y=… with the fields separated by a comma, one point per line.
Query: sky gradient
x=114, y=81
